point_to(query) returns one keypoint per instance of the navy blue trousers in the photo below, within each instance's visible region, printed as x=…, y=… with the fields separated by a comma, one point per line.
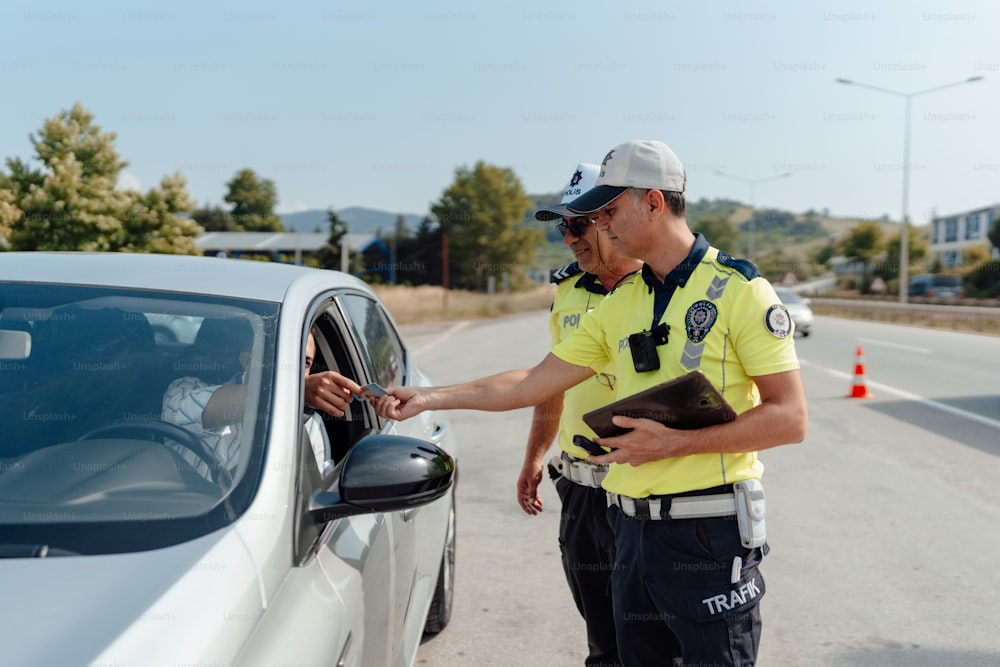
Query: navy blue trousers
x=588, y=555
x=674, y=596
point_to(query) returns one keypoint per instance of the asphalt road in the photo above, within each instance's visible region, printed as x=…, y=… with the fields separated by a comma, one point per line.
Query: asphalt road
x=882, y=524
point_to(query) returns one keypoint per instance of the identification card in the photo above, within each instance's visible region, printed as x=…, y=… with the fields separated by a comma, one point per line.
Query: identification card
x=373, y=389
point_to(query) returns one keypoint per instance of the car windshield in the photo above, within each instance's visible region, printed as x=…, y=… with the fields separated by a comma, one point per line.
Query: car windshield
x=941, y=280
x=787, y=296
x=126, y=408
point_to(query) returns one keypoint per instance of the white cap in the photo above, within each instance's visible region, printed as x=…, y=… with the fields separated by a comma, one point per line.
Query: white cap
x=649, y=165
x=582, y=180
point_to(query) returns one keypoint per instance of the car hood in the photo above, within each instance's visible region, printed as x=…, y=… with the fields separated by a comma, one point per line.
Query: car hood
x=189, y=603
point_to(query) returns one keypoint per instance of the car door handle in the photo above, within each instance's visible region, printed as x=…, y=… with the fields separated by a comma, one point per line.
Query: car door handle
x=407, y=515
x=438, y=434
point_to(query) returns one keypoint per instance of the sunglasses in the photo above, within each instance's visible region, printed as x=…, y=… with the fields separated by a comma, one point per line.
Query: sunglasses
x=577, y=227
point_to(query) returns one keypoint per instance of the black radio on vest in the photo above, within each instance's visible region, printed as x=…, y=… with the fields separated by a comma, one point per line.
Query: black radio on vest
x=643, y=346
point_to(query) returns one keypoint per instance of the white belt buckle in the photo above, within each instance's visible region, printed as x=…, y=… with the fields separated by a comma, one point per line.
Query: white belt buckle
x=699, y=507
x=581, y=472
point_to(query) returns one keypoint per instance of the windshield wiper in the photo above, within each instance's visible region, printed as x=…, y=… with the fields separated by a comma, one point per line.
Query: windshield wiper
x=32, y=551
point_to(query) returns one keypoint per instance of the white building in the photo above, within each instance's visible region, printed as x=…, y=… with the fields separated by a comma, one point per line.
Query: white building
x=951, y=234
x=236, y=243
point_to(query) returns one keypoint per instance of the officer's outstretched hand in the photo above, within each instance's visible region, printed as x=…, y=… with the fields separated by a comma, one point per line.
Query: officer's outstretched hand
x=647, y=441
x=401, y=403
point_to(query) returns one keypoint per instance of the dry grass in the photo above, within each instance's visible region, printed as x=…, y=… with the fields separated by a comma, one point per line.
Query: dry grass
x=413, y=305
x=427, y=303
x=982, y=320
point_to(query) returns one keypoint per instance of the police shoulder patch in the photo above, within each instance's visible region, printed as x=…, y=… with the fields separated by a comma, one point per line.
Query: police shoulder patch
x=777, y=321
x=568, y=271
x=744, y=267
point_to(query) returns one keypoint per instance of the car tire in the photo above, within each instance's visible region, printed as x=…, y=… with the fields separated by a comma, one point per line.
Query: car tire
x=440, y=610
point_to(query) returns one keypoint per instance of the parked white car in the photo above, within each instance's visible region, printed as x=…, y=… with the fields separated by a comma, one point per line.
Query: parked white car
x=129, y=540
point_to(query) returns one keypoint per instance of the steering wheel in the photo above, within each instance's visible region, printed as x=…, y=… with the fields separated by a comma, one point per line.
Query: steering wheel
x=166, y=430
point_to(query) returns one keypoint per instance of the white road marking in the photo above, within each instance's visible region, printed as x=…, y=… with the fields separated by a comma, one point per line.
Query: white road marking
x=437, y=340
x=884, y=388
x=898, y=346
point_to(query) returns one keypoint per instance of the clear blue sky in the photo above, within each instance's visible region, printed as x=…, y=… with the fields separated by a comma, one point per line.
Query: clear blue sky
x=376, y=103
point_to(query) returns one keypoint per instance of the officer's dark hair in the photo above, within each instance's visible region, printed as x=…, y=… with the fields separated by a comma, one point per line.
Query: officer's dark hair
x=674, y=200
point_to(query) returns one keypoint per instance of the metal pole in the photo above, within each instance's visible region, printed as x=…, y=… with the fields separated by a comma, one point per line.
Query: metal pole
x=904, y=241
x=751, y=231
x=904, y=237
x=444, y=269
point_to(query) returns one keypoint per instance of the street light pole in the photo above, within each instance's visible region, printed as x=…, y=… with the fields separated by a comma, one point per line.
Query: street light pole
x=904, y=240
x=752, y=183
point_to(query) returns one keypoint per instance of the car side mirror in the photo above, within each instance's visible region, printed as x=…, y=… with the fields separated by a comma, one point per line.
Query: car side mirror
x=385, y=473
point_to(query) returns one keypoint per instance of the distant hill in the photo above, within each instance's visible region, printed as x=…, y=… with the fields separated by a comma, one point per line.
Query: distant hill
x=359, y=220
x=788, y=236
x=794, y=235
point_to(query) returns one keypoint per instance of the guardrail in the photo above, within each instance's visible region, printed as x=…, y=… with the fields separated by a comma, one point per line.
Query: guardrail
x=981, y=318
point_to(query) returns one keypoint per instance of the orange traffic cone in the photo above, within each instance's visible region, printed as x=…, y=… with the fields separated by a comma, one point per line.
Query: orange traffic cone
x=859, y=389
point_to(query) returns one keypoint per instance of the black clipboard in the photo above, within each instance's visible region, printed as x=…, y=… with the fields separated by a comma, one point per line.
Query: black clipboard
x=687, y=402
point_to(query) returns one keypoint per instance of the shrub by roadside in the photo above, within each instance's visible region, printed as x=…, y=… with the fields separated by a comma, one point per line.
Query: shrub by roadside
x=414, y=305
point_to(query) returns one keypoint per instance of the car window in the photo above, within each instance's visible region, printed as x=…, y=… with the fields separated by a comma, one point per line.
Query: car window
x=334, y=352
x=787, y=296
x=381, y=347
x=938, y=284
x=942, y=280
x=109, y=421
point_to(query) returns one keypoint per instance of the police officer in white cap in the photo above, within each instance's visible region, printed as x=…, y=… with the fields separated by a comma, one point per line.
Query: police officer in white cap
x=585, y=538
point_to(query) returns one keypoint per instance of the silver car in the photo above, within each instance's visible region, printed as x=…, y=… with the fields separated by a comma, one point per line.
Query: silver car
x=135, y=530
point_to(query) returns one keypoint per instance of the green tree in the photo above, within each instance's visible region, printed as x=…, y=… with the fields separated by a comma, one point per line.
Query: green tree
x=719, y=231
x=864, y=242
x=399, y=235
x=776, y=265
x=984, y=281
x=153, y=223
x=418, y=257
x=916, y=251
x=975, y=255
x=215, y=219
x=329, y=255
x=71, y=202
x=9, y=212
x=482, y=212
x=994, y=233
x=253, y=201
x=824, y=253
